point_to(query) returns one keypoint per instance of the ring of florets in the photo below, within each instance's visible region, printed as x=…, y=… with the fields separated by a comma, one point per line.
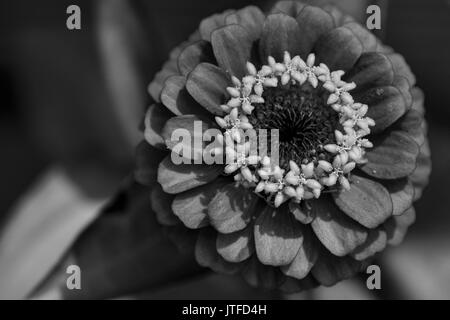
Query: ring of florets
x=304, y=180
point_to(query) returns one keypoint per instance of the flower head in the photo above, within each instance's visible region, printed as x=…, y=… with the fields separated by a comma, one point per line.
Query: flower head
x=351, y=149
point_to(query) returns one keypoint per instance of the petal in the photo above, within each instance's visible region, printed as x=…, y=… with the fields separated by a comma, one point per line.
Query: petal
x=178, y=178
x=161, y=202
x=176, y=98
x=421, y=174
x=313, y=22
x=305, y=258
x=393, y=156
x=280, y=34
x=339, y=49
x=337, y=232
x=367, y=202
x=147, y=161
x=237, y=246
x=169, y=69
x=232, y=48
x=292, y=285
x=194, y=54
x=372, y=69
x=397, y=226
x=386, y=105
x=232, y=208
x=192, y=126
x=278, y=236
x=291, y=8
x=330, y=269
x=192, y=206
x=402, y=194
x=251, y=18
x=183, y=238
x=376, y=242
x=155, y=119
x=338, y=16
x=207, y=256
x=207, y=85
x=412, y=124
x=208, y=25
x=401, y=68
x=261, y=276
x=301, y=212
x=402, y=84
x=367, y=38
x=418, y=100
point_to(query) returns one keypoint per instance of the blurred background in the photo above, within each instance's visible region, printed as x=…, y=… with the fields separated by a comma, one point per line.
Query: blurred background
x=71, y=102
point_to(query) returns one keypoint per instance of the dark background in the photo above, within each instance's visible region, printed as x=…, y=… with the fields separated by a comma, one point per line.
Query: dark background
x=60, y=103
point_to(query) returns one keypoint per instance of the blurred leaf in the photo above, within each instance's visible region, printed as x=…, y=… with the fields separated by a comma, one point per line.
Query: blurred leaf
x=126, y=55
x=125, y=251
x=42, y=227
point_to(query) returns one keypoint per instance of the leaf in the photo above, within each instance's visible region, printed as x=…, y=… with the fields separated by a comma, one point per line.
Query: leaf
x=125, y=251
x=43, y=225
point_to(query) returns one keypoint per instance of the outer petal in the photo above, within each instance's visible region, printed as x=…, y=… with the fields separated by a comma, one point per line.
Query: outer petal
x=251, y=18
x=208, y=25
x=412, y=123
x=339, y=49
x=232, y=208
x=192, y=206
x=155, y=119
x=376, y=242
x=278, y=236
x=237, y=246
x=155, y=87
x=292, y=285
x=169, y=68
x=372, y=70
x=147, y=161
x=339, y=17
x=330, y=269
x=207, y=256
x=232, y=46
x=161, y=202
x=397, y=226
x=183, y=238
x=313, y=22
x=207, y=85
x=402, y=84
x=194, y=54
x=367, y=39
x=337, y=232
x=291, y=8
x=367, y=202
x=402, y=194
x=422, y=172
x=280, y=34
x=305, y=258
x=176, y=98
x=261, y=276
x=393, y=156
x=401, y=68
x=178, y=178
x=418, y=100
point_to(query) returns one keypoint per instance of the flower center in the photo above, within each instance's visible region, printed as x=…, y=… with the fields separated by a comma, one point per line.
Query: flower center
x=305, y=123
x=320, y=126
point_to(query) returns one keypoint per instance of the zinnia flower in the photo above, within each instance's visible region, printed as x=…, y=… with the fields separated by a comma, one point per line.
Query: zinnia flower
x=353, y=156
